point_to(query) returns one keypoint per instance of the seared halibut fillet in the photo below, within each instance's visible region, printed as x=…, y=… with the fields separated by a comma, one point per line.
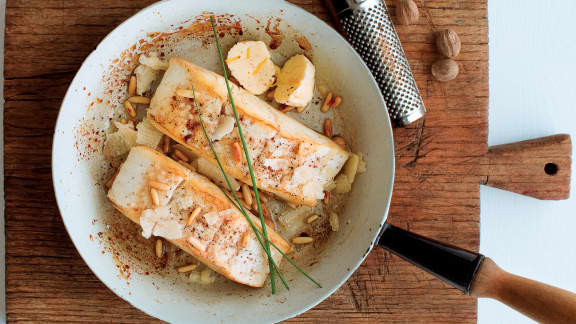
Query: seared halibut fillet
x=219, y=235
x=289, y=159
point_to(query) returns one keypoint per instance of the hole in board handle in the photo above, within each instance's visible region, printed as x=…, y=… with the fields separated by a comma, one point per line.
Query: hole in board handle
x=551, y=168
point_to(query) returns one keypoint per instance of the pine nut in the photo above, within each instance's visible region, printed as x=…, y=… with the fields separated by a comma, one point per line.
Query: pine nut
x=336, y=102
x=334, y=222
x=326, y=197
x=159, y=185
x=312, y=218
x=187, y=268
x=340, y=141
x=237, y=152
x=245, y=239
x=139, y=100
x=185, y=93
x=159, y=249
x=181, y=156
x=129, y=109
x=165, y=144
x=328, y=127
x=246, y=194
x=261, y=195
x=132, y=86
x=285, y=108
x=155, y=197
x=326, y=104
x=302, y=240
x=193, y=216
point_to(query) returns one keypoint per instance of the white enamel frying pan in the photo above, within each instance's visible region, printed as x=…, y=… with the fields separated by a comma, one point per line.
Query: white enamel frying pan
x=84, y=208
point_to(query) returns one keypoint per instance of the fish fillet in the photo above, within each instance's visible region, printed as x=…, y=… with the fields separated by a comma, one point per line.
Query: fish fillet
x=289, y=159
x=219, y=236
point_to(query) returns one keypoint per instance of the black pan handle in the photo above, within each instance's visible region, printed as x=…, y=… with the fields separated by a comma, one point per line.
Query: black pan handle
x=454, y=265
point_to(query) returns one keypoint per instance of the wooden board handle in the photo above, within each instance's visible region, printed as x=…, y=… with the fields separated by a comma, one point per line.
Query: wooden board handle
x=539, y=168
x=539, y=301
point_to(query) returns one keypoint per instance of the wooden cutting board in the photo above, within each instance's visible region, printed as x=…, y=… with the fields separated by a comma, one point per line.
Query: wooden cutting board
x=440, y=162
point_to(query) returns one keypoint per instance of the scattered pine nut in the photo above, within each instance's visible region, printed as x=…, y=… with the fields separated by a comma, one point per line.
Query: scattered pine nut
x=246, y=194
x=165, y=144
x=259, y=66
x=129, y=109
x=334, y=222
x=328, y=127
x=193, y=216
x=185, y=93
x=155, y=197
x=139, y=100
x=340, y=141
x=181, y=156
x=112, y=178
x=302, y=240
x=312, y=218
x=132, y=86
x=265, y=211
x=232, y=59
x=285, y=108
x=292, y=205
x=336, y=102
x=326, y=104
x=159, y=185
x=248, y=53
x=187, y=268
x=159, y=249
x=261, y=194
x=270, y=94
x=245, y=239
x=237, y=152
x=326, y=197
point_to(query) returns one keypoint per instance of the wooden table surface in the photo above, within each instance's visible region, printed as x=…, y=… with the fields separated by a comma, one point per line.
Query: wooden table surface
x=436, y=191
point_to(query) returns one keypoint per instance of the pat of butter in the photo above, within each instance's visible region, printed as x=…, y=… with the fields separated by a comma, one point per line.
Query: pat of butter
x=251, y=64
x=295, y=86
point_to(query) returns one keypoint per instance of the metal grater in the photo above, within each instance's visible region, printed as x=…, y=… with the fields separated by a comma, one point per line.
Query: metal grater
x=369, y=28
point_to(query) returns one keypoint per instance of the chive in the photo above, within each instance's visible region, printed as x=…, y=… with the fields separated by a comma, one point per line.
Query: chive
x=271, y=263
x=284, y=255
x=248, y=161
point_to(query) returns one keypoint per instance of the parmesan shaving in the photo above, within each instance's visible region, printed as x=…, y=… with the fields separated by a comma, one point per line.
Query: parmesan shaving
x=148, y=135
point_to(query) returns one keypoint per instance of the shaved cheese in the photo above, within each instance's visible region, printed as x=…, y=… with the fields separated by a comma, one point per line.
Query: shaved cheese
x=225, y=126
x=120, y=142
x=153, y=61
x=145, y=76
x=161, y=222
x=148, y=135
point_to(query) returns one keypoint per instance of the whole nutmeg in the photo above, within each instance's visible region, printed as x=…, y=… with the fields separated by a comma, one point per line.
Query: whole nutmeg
x=407, y=12
x=445, y=70
x=448, y=43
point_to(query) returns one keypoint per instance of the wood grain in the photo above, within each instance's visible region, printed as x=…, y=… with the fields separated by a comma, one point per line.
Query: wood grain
x=436, y=192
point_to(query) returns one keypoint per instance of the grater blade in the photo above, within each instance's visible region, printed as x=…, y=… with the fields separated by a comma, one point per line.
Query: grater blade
x=369, y=28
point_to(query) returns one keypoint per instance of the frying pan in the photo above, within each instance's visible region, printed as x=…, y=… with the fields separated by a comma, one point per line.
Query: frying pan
x=85, y=211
